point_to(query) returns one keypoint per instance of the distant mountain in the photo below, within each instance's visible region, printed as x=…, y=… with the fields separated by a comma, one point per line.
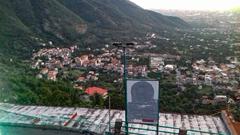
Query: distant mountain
x=25, y=23
x=119, y=14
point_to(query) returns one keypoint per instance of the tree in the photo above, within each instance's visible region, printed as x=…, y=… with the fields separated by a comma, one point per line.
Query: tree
x=236, y=113
x=97, y=100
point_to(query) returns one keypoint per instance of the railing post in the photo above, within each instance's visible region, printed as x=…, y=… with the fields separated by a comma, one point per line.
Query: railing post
x=182, y=131
x=118, y=127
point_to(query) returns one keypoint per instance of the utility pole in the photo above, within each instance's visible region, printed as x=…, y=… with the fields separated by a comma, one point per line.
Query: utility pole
x=109, y=112
x=159, y=78
x=125, y=87
x=124, y=47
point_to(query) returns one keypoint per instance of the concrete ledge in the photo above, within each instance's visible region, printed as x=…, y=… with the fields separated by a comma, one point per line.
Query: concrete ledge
x=46, y=127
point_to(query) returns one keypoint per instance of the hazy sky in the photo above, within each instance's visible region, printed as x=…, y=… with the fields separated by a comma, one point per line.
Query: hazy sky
x=188, y=4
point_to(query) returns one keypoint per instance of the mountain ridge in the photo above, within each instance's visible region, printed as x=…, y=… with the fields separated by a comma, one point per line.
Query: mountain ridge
x=74, y=21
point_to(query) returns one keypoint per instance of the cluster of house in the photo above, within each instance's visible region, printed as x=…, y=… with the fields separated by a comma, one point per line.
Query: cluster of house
x=213, y=74
x=222, y=78
x=218, y=99
x=159, y=63
x=209, y=73
x=82, y=79
x=109, y=60
x=50, y=60
x=49, y=74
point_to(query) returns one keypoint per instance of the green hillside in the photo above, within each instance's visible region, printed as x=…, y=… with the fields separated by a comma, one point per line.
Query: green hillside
x=68, y=21
x=24, y=21
x=26, y=25
x=120, y=15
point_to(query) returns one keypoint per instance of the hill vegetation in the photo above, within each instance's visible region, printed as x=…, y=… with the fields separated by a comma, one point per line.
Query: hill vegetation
x=28, y=25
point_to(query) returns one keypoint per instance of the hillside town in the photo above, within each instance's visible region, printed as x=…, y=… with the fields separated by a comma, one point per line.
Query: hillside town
x=52, y=64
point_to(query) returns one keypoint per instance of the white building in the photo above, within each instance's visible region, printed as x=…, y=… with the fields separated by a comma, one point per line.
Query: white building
x=170, y=67
x=208, y=80
x=220, y=98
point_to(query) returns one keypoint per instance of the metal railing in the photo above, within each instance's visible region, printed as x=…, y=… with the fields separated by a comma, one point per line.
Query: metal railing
x=169, y=130
x=86, y=125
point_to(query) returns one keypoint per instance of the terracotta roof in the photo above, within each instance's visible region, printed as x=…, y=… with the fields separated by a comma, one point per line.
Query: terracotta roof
x=93, y=90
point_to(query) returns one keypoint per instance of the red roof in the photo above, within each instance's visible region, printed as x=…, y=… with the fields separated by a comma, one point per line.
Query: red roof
x=93, y=90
